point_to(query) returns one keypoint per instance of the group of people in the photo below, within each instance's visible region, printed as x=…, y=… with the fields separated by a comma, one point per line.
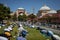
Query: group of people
x=22, y=33
x=7, y=33
x=48, y=33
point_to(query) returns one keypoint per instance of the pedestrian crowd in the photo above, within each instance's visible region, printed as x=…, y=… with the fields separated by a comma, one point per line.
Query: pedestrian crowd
x=7, y=33
x=48, y=33
x=23, y=32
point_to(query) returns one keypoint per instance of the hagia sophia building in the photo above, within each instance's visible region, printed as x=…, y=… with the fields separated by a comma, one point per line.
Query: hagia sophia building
x=20, y=11
x=45, y=10
x=41, y=12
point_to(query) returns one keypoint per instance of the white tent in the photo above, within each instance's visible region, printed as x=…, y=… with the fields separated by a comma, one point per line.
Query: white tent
x=3, y=38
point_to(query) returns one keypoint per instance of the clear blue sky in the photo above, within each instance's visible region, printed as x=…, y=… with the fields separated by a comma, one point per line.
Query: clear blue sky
x=28, y=4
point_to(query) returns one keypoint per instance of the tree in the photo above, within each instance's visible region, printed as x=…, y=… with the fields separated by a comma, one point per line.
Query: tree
x=14, y=17
x=22, y=17
x=4, y=12
x=49, y=19
x=32, y=17
x=58, y=11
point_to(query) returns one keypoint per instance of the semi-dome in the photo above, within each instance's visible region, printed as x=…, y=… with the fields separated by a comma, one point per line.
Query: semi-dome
x=21, y=8
x=45, y=8
x=52, y=11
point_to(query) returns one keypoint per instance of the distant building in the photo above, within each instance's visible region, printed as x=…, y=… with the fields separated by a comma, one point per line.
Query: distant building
x=19, y=11
x=45, y=10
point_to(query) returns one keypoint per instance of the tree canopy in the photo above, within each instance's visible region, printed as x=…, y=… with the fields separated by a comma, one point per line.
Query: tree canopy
x=22, y=17
x=31, y=16
x=4, y=12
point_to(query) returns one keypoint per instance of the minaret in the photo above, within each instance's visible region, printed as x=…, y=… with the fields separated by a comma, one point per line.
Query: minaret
x=33, y=10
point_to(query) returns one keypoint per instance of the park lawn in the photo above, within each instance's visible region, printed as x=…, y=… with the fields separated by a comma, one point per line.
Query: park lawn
x=34, y=34
x=2, y=29
x=14, y=33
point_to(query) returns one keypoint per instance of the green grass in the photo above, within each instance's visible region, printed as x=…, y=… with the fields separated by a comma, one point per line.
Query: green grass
x=2, y=29
x=34, y=34
x=14, y=33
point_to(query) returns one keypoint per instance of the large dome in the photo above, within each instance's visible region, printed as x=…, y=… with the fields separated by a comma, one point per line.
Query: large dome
x=21, y=8
x=45, y=8
x=52, y=11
